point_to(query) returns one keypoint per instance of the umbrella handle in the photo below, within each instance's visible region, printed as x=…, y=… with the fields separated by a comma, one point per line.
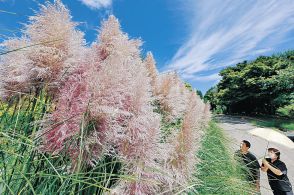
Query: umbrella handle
x=266, y=149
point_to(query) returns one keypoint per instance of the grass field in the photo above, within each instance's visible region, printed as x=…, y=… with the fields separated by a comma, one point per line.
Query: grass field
x=218, y=170
x=279, y=123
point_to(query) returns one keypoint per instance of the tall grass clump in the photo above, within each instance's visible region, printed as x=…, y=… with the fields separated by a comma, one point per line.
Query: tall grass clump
x=26, y=170
x=218, y=170
x=96, y=119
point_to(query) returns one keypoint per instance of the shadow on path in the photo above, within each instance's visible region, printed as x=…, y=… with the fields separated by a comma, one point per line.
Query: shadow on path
x=231, y=119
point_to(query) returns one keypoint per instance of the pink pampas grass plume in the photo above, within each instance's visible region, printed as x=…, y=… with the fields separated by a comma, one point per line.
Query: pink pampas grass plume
x=172, y=95
x=48, y=50
x=14, y=69
x=185, y=144
x=122, y=98
x=152, y=70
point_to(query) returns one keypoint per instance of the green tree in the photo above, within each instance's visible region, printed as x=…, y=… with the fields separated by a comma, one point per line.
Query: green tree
x=211, y=97
x=199, y=93
x=258, y=87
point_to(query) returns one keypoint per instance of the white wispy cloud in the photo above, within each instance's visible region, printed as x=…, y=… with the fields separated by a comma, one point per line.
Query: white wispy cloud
x=97, y=4
x=203, y=78
x=224, y=32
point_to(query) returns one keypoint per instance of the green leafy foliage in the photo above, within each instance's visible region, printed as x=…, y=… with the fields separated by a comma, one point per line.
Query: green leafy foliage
x=199, y=93
x=287, y=111
x=262, y=86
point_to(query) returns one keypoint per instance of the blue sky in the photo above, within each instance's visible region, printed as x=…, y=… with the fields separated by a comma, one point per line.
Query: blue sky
x=197, y=38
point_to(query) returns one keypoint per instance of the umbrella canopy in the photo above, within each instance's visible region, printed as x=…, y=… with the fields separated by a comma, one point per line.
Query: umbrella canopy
x=273, y=136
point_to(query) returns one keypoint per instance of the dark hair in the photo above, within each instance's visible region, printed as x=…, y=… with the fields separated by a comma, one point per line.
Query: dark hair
x=276, y=151
x=247, y=143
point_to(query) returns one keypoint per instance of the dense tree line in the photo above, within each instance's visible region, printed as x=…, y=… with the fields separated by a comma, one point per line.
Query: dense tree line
x=262, y=86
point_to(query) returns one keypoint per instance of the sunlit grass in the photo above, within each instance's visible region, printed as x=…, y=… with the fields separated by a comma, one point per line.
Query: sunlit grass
x=219, y=172
x=279, y=123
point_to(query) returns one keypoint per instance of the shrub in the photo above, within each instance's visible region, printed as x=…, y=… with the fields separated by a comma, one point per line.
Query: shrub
x=286, y=111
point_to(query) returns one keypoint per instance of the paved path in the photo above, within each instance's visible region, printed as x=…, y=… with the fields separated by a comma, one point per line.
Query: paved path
x=236, y=128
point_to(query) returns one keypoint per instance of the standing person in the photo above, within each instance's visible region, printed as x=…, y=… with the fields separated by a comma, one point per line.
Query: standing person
x=251, y=163
x=277, y=173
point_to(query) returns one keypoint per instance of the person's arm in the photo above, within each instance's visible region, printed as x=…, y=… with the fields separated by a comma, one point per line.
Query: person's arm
x=273, y=169
x=264, y=168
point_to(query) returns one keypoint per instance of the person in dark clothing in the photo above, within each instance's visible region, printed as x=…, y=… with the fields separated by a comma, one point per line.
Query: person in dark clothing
x=250, y=161
x=277, y=173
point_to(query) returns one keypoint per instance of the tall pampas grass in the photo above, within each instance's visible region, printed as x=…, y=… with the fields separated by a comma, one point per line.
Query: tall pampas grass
x=67, y=120
x=105, y=101
x=49, y=48
x=58, y=48
x=152, y=70
x=122, y=98
x=184, y=143
x=172, y=95
x=14, y=69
